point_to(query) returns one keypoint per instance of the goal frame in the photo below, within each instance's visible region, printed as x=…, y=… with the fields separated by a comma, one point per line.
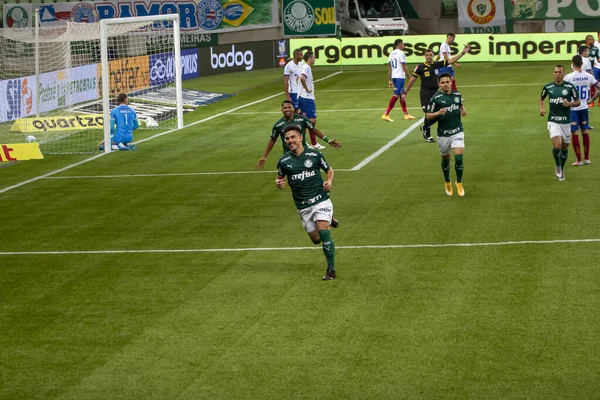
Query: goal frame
x=104, y=23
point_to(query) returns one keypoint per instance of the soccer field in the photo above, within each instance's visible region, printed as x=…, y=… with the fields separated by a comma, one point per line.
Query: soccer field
x=179, y=271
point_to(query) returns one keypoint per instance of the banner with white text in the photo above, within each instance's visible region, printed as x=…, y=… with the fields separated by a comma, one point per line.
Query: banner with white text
x=210, y=16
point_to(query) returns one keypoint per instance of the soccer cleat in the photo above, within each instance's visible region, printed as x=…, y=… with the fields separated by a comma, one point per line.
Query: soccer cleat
x=448, y=187
x=430, y=140
x=587, y=162
x=558, y=171
x=329, y=275
x=319, y=146
x=562, y=176
x=578, y=164
x=460, y=190
x=387, y=118
x=334, y=223
x=408, y=116
x=591, y=105
x=426, y=135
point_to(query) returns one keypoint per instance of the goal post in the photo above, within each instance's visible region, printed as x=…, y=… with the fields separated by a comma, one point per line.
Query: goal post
x=59, y=81
x=105, y=25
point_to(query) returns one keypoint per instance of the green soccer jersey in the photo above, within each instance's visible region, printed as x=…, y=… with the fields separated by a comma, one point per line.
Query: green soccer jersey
x=556, y=95
x=450, y=123
x=303, y=173
x=594, y=53
x=299, y=120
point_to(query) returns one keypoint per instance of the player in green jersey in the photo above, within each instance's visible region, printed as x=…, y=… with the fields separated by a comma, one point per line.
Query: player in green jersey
x=594, y=57
x=302, y=167
x=289, y=118
x=561, y=97
x=446, y=107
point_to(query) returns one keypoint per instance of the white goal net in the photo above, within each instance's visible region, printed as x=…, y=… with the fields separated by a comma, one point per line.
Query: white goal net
x=52, y=88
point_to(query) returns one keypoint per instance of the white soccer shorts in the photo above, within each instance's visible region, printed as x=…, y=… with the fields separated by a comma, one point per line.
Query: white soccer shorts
x=322, y=211
x=562, y=130
x=446, y=143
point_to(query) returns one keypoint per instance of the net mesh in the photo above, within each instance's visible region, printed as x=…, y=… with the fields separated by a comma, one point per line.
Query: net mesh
x=61, y=108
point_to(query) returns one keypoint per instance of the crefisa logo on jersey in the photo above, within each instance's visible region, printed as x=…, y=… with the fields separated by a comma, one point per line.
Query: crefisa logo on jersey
x=210, y=14
x=84, y=12
x=481, y=12
x=299, y=16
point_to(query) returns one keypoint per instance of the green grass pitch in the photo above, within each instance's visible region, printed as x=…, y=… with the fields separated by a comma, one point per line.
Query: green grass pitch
x=405, y=319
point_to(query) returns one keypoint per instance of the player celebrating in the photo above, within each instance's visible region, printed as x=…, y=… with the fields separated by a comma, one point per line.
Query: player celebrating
x=397, y=72
x=446, y=106
x=311, y=194
x=123, y=121
x=580, y=114
x=289, y=118
x=306, y=96
x=291, y=78
x=428, y=71
x=562, y=95
x=444, y=54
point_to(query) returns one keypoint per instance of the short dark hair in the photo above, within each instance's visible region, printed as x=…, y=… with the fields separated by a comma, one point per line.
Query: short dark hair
x=291, y=128
x=587, y=36
x=397, y=42
x=297, y=51
x=286, y=101
x=307, y=55
x=429, y=50
x=121, y=98
x=444, y=75
x=450, y=35
x=577, y=61
x=559, y=66
x=582, y=49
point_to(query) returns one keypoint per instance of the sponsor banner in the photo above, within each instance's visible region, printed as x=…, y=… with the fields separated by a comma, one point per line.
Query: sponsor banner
x=308, y=18
x=195, y=15
x=481, y=16
x=126, y=75
x=162, y=67
x=518, y=10
x=560, y=25
x=191, y=98
x=493, y=48
x=240, y=57
x=58, y=123
x=158, y=43
x=20, y=152
x=57, y=89
x=283, y=53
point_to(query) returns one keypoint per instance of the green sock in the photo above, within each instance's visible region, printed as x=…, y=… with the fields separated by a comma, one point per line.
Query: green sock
x=328, y=248
x=458, y=167
x=556, y=154
x=446, y=169
x=563, y=157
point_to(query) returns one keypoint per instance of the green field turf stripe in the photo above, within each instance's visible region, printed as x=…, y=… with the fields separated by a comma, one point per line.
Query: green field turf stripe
x=244, y=249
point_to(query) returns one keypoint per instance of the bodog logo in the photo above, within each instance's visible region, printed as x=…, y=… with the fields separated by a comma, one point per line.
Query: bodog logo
x=76, y=122
x=481, y=12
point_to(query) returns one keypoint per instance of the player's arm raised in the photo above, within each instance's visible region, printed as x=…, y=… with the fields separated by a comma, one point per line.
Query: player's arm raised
x=459, y=55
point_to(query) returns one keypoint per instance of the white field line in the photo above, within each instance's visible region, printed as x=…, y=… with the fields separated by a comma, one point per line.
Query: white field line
x=459, y=86
x=174, y=174
x=388, y=145
x=250, y=249
x=37, y=178
x=322, y=111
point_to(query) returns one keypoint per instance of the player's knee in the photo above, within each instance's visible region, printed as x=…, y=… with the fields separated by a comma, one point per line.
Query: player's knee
x=316, y=241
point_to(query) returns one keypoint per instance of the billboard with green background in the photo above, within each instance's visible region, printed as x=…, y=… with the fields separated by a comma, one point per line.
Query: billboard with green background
x=484, y=48
x=308, y=18
x=520, y=10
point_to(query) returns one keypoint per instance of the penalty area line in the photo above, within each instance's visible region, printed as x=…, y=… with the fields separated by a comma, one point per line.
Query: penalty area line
x=68, y=167
x=250, y=249
x=388, y=145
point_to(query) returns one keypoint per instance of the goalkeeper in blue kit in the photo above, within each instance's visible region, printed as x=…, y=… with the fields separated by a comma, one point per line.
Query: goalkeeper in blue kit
x=123, y=121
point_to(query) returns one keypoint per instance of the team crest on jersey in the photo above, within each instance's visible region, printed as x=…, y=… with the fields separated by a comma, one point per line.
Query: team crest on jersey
x=565, y=92
x=456, y=100
x=308, y=163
